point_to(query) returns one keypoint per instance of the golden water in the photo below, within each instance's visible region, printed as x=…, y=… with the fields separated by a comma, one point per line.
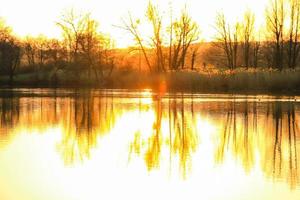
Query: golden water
x=112, y=144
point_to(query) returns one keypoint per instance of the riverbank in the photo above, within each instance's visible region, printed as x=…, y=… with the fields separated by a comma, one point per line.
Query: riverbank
x=238, y=81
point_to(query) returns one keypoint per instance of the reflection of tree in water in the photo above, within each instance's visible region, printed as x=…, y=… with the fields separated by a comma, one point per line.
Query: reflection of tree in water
x=9, y=117
x=28, y=114
x=179, y=137
x=78, y=130
x=9, y=112
x=248, y=130
x=272, y=130
x=281, y=152
x=185, y=138
x=152, y=155
x=85, y=119
x=237, y=135
x=82, y=119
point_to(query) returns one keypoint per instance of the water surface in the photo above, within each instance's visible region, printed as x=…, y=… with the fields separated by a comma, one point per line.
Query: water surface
x=116, y=144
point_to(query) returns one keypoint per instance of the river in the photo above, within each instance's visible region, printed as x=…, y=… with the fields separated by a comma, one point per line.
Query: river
x=63, y=144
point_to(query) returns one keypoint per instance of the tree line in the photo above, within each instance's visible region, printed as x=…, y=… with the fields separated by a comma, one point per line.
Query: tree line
x=280, y=47
x=240, y=43
x=83, y=49
x=172, y=43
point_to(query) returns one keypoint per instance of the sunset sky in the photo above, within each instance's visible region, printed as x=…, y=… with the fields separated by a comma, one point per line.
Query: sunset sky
x=34, y=17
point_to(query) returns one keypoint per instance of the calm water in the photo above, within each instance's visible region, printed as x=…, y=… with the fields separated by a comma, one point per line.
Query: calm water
x=86, y=145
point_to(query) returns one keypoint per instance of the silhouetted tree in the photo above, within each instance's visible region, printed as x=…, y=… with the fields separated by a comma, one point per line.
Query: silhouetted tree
x=55, y=51
x=186, y=32
x=87, y=46
x=256, y=51
x=131, y=25
x=275, y=18
x=9, y=52
x=29, y=50
x=89, y=41
x=227, y=39
x=171, y=36
x=155, y=19
x=9, y=57
x=293, y=47
x=247, y=36
x=73, y=26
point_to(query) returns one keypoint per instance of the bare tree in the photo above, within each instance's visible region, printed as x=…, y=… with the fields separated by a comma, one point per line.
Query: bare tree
x=41, y=47
x=235, y=43
x=73, y=26
x=186, y=32
x=35, y=50
x=256, y=51
x=275, y=18
x=227, y=39
x=9, y=57
x=182, y=33
x=90, y=45
x=170, y=36
x=222, y=37
x=41, y=50
x=293, y=47
x=85, y=43
x=247, y=36
x=108, y=52
x=29, y=50
x=155, y=19
x=131, y=26
x=55, y=51
x=10, y=51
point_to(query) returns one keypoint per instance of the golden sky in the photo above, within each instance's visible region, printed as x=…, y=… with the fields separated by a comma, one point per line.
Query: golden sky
x=34, y=17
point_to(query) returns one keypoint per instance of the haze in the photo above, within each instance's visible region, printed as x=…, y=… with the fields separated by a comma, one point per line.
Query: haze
x=34, y=17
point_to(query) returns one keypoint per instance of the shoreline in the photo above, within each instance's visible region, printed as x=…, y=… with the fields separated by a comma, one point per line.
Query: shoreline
x=239, y=82
x=140, y=90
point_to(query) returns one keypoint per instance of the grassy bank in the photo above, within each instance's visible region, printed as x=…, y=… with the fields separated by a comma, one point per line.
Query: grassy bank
x=238, y=81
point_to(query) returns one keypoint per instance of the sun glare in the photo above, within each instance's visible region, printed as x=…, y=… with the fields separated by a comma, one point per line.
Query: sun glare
x=149, y=99
x=34, y=17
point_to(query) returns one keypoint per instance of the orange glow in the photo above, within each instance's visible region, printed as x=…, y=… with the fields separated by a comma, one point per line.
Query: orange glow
x=34, y=17
x=110, y=146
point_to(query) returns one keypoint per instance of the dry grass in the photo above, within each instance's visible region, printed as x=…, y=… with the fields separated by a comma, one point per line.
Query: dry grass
x=253, y=80
x=209, y=80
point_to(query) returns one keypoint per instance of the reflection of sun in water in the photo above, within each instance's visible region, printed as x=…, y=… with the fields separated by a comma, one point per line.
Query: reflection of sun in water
x=31, y=164
x=143, y=136
x=207, y=131
x=205, y=126
x=146, y=97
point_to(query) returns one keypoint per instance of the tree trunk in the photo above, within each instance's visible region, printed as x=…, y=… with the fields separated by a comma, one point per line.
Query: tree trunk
x=193, y=60
x=11, y=78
